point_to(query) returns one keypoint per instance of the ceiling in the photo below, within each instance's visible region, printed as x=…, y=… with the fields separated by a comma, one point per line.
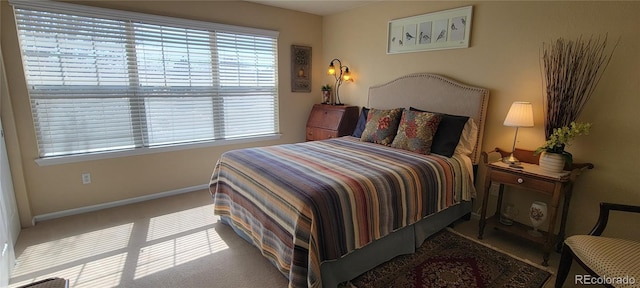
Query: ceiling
x=317, y=7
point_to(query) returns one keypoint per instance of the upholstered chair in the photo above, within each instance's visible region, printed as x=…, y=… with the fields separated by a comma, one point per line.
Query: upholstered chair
x=612, y=260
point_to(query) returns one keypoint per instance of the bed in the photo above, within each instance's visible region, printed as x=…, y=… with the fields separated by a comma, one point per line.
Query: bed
x=324, y=212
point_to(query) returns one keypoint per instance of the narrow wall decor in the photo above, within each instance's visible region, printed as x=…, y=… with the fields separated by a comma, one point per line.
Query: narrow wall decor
x=447, y=29
x=300, y=68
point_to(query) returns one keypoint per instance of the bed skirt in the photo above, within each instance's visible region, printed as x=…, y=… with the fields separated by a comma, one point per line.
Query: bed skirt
x=403, y=241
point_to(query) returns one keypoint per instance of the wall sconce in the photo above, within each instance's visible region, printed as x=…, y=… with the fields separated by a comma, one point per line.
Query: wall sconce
x=343, y=75
x=520, y=115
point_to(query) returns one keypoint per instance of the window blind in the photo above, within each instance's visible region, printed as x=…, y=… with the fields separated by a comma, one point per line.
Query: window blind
x=101, y=80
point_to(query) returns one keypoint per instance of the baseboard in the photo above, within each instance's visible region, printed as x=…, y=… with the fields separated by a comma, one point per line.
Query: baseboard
x=75, y=211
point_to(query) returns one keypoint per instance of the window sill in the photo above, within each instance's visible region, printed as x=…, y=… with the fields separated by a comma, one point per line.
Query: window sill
x=143, y=151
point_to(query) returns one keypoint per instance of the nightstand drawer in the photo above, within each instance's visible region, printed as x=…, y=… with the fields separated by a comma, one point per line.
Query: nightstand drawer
x=523, y=181
x=320, y=134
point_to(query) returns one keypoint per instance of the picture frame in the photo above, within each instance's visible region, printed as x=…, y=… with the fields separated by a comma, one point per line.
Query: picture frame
x=448, y=29
x=300, y=68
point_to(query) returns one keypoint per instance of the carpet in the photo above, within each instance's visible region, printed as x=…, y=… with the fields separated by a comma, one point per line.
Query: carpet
x=447, y=259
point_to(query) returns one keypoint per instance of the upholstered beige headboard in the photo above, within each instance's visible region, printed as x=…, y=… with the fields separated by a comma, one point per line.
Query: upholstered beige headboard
x=436, y=94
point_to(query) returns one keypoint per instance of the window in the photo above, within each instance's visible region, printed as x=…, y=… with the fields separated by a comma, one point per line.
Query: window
x=101, y=80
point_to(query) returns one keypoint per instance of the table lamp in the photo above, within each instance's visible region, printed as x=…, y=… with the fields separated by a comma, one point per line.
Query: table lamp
x=520, y=115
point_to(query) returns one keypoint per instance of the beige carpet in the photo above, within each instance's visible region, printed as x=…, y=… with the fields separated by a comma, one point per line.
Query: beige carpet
x=169, y=242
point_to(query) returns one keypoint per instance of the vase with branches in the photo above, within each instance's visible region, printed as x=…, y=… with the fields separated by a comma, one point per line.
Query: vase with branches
x=571, y=71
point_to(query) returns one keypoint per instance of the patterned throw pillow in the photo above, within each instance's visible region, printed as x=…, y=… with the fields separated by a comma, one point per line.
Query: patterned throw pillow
x=416, y=131
x=449, y=133
x=382, y=126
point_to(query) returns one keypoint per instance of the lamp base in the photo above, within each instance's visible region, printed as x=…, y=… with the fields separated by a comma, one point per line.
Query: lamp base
x=511, y=159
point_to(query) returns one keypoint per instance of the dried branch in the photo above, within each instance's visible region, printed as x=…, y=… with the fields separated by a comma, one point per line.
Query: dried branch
x=572, y=70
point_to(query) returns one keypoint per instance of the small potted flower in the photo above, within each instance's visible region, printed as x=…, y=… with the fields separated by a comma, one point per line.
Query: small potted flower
x=326, y=94
x=554, y=157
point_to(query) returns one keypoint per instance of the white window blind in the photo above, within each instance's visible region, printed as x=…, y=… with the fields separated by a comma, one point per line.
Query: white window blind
x=103, y=80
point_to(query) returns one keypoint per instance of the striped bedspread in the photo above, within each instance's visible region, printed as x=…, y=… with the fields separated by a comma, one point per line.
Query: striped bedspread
x=302, y=204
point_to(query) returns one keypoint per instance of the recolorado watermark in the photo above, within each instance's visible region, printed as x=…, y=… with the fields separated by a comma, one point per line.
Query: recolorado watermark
x=600, y=280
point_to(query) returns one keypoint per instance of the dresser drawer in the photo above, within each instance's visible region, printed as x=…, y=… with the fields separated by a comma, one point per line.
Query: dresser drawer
x=330, y=121
x=325, y=118
x=523, y=181
x=320, y=134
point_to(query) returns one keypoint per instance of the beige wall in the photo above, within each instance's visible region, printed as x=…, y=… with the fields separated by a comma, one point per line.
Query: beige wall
x=59, y=187
x=504, y=57
x=506, y=39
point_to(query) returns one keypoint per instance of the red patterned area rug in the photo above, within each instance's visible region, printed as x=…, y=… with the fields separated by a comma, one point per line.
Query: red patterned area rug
x=450, y=260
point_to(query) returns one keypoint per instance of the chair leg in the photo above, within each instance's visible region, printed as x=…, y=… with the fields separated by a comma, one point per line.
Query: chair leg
x=566, y=259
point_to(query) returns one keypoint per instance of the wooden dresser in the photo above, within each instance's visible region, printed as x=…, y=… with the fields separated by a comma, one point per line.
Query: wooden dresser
x=330, y=121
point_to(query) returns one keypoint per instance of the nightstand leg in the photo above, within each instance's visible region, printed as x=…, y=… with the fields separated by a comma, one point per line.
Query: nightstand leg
x=499, y=205
x=563, y=220
x=553, y=208
x=485, y=200
x=545, y=259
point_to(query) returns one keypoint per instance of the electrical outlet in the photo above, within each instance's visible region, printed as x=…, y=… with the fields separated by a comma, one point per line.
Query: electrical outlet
x=86, y=178
x=494, y=189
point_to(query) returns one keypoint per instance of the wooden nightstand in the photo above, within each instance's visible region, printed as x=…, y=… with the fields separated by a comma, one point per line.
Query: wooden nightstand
x=330, y=121
x=531, y=178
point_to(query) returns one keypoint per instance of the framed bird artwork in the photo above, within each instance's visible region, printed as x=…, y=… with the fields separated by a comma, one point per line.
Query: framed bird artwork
x=446, y=29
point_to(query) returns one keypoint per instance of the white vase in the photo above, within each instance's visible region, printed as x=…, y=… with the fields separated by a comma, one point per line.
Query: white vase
x=326, y=97
x=551, y=162
x=537, y=215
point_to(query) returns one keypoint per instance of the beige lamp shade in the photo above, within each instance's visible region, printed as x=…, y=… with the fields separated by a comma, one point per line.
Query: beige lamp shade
x=520, y=115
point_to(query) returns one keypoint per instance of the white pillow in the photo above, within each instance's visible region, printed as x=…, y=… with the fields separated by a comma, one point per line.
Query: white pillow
x=468, y=138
